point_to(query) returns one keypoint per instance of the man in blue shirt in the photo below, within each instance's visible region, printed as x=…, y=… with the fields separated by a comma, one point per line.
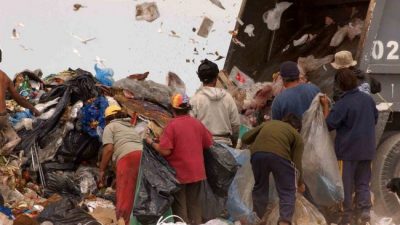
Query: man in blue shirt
x=297, y=97
x=353, y=117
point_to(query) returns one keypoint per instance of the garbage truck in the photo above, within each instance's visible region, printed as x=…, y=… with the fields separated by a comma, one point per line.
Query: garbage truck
x=331, y=26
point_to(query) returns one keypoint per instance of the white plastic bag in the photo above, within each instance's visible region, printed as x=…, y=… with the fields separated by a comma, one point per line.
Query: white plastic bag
x=320, y=166
x=163, y=221
x=304, y=214
x=273, y=17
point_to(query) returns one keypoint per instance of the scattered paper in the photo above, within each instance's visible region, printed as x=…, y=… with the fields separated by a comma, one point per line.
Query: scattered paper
x=219, y=58
x=240, y=22
x=174, y=34
x=205, y=27
x=147, y=11
x=15, y=34
x=384, y=106
x=249, y=30
x=236, y=41
x=217, y=3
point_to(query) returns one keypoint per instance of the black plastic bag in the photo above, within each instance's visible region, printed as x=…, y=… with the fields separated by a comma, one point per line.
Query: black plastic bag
x=221, y=168
x=66, y=212
x=212, y=205
x=61, y=183
x=78, y=147
x=157, y=184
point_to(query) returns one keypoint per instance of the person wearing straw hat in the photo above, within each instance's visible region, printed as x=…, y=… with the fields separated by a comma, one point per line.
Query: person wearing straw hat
x=182, y=144
x=122, y=144
x=344, y=59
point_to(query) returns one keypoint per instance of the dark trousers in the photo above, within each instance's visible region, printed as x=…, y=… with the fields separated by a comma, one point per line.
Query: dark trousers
x=187, y=203
x=356, y=177
x=284, y=173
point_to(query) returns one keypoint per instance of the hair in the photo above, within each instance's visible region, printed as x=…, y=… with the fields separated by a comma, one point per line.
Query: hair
x=293, y=120
x=118, y=115
x=290, y=79
x=207, y=72
x=184, y=111
x=346, y=79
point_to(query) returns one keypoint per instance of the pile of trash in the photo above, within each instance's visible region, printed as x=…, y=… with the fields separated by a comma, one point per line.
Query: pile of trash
x=52, y=174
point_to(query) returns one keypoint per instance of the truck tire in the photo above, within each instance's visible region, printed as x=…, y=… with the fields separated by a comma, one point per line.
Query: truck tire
x=385, y=167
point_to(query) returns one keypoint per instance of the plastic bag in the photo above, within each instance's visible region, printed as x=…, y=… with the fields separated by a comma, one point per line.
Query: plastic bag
x=273, y=17
x=310, y=63
x=212, y=205
x=240, y=200
x=320, y=167
x=241, y=79
x=339, y=36
x=221, y=168
x=155, y=188
x=93, y=116
x=104, y=75
x=61, y=183
x=304, y=214
x=86, y=177
x=66, y=212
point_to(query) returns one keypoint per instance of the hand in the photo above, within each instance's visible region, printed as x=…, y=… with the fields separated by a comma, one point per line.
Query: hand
x=36, y=112
x=301, y=188
x=324, y=100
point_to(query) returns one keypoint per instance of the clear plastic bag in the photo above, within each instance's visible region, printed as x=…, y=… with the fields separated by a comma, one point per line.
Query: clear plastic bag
x=304, y=214
x=240, y=199
x=320, y=168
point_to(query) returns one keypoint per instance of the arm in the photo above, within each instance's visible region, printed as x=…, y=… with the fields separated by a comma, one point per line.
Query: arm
x=108, y=151
x=234, y=119
x=19, y=99
x=275, y=108
x=156, y=146
x=250, y=136
x=336, y=117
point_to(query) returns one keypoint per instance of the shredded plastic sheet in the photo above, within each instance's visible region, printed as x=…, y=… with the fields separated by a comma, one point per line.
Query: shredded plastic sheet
x=320, y=167
x=273, y=17
x=304, y=214
x=339, y=36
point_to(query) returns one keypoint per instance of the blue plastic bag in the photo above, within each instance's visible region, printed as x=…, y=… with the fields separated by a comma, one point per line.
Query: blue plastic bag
x=104, y=75
x=93, y=116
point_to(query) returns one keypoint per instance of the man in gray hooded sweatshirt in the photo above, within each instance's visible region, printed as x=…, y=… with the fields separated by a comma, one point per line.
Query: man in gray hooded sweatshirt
x=215, y=107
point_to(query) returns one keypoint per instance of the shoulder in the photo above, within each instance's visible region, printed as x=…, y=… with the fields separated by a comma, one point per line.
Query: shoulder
x=311, y=87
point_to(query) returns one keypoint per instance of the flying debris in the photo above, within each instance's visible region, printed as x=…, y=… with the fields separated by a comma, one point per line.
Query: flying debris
x=25, y=48
x=236, y=41
x=160, y=30
x=249, y=30
x=240, y=22
x=21, y=24
x=15, y=34
x=217, y=3
x=78, y=7
x=219, y=58
x=193, y=41
x=174, y=34
x=82, y=40
x=76, y=52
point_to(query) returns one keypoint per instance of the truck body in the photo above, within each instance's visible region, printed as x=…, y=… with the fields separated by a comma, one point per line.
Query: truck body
x=376, y=50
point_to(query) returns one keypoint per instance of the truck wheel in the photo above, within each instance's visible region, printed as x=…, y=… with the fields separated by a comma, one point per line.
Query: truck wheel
x=385, y=167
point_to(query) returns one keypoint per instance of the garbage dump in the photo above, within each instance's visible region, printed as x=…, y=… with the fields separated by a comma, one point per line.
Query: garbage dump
x=52, y=175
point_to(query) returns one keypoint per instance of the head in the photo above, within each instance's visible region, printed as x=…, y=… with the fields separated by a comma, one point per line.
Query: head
x=290, y=73
x=346, y=79
x=208, y=73
x=114, y=112
x=343, y=59
x=180, y=104
x=293, y=120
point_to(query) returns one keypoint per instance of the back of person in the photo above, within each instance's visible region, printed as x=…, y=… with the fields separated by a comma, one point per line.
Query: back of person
x=216, y=109
x=125, y=137
x=294, y=100
x=188, y=137
x=356, y=136
x=4, y=86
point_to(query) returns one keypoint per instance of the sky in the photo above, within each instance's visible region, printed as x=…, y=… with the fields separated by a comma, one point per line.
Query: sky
x=128, y=46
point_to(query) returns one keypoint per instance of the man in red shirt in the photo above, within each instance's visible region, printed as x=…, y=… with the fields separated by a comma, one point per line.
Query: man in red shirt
x=182, y=143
